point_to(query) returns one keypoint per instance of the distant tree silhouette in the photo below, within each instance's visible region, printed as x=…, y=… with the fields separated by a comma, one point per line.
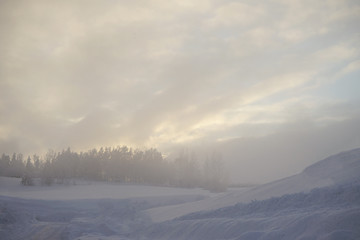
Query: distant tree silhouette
x=27, y=178
x=47, y=171
x=119, y=164
x=4, y=164
x=17, y=167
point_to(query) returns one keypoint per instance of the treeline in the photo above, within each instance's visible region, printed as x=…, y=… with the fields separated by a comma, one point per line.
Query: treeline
x=119, y=164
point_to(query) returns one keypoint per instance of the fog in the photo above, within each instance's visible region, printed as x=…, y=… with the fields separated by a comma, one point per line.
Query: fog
x=272, y=86
x=289, y=151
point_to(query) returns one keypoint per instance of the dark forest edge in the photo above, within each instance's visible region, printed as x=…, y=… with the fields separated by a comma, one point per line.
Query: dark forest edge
x=117, y=164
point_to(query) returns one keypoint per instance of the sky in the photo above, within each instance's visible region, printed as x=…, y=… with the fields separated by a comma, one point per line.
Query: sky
x=267, y=83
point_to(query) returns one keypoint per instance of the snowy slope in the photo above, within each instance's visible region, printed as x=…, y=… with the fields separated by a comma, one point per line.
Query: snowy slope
x=326, y=213
x=322, y=202
x=340, y=168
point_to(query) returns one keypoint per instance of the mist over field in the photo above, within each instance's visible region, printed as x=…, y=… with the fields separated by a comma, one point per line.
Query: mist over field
x=123, y=119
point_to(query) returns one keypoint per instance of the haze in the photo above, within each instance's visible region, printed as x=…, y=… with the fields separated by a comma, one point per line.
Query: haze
x=272, y=85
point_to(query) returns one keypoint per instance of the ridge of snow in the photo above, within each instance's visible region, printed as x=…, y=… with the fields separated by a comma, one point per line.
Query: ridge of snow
x=340, y=168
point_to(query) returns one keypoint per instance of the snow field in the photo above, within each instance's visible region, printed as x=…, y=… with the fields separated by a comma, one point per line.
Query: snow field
x=322, y=202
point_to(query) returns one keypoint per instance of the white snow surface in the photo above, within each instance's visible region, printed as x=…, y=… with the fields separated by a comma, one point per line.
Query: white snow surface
x=289, y=208
x=90, y=190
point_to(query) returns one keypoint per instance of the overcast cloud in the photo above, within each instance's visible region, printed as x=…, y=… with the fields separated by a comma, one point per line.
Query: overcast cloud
x=273, y=74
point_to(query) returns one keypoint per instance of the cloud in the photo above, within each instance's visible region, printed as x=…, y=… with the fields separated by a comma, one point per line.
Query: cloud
x=162, y=74
x=270, y=150
x=351, y=67
x=235, y=13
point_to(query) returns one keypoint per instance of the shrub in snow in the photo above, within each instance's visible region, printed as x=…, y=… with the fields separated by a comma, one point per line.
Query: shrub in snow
x=26, y=180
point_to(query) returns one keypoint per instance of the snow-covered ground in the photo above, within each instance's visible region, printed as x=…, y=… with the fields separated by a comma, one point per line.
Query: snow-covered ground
x=90, y=190
x=82, y=211
x=284, y=209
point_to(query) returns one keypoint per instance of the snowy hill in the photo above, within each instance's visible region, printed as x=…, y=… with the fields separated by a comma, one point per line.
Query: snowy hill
x=322, y=202
x=340, y=168
x=337, y=169
x=326, y=213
